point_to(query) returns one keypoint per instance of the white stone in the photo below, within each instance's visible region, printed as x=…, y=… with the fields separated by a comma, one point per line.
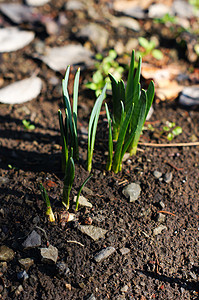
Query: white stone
x=59, y=58
x=132, y=191
x=94, y=232
x=36, y=2
x=21, y=91
x=13, y=39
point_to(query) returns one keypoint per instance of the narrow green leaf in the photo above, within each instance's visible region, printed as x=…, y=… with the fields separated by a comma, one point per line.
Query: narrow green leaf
x=64, y=138
x=110, y=141
x=140, y=122
x=150, y=96
x=75, y=102
x=68, y=181
x=83, y=184
x=92, y=127
x=120, y=141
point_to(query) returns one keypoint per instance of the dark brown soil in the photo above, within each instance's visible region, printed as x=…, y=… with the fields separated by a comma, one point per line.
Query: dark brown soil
x=163, y=266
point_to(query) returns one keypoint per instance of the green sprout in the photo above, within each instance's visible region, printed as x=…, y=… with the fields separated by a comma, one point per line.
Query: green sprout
x=130, y=108
x=167, y=18
x=104, y=66
x=81, y=187
x=27, y=125
x=92, y=127
x=45, y=197
x=171, y=130
x=149, y=48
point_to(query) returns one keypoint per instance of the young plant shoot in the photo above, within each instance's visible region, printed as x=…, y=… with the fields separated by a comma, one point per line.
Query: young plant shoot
x=45, y=197
x=92, y=127
x=130, y=108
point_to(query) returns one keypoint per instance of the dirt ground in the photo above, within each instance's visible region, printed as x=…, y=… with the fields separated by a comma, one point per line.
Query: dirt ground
x=145, y=265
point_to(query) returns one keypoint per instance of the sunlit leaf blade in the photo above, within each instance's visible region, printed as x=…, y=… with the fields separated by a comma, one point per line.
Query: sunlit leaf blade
x=110, y=141
x=64, y=141
x=140, y=122
x=150, y=96
x=120, y=141
x=83, y=184
x=92, y=127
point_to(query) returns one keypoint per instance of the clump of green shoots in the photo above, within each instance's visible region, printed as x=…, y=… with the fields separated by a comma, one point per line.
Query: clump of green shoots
x=131, y=105
x=171, y=130
x=27, y=125
x=104, y=66
x=149, y=48
x=69, y=136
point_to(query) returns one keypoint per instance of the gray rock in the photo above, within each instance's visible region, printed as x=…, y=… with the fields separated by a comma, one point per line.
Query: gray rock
x=158, y=10
x=17, y=13
x=162, y=205
x=62, y=268
x=26, y=263
x=75, y=5
x=58, y=58
x=159, y=229
x=183, y=9
x=189, y=97
x=124, y=289
x=168, y=177
x=161, y=218
x=6, y=254
x=49, y=255
x=135, y=12
x=132, y=191
x=96, y=34
x=103, y=254
x=94, y=232
x=32, y=241
x=157, y=174
x=125, y=251
x=126, y=22
x=22, y=275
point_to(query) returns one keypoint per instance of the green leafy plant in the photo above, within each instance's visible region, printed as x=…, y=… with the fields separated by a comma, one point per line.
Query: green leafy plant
x=171, y=130
x=103, y=67
x=27, y=125
x=149, y=48
x=46, y=199
x=167, y=18
x=131, y=105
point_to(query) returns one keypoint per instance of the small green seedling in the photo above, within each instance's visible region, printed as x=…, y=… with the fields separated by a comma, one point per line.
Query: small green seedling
x=130, y=108
x=166, y=19
x=83, y=184
x=149, y=48
x=171, y=130
x=46, y=199
x=27, y=125
x=103, y=67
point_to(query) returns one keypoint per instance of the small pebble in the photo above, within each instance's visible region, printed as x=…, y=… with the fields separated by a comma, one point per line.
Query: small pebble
x=49, y=255
x=161, y=218
x=124, y=289
x=103, y=254
x=22, y=275
x=124, y=251
x=168, y=177
x=157, y=174
x=159, y=229
x=32, y=241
